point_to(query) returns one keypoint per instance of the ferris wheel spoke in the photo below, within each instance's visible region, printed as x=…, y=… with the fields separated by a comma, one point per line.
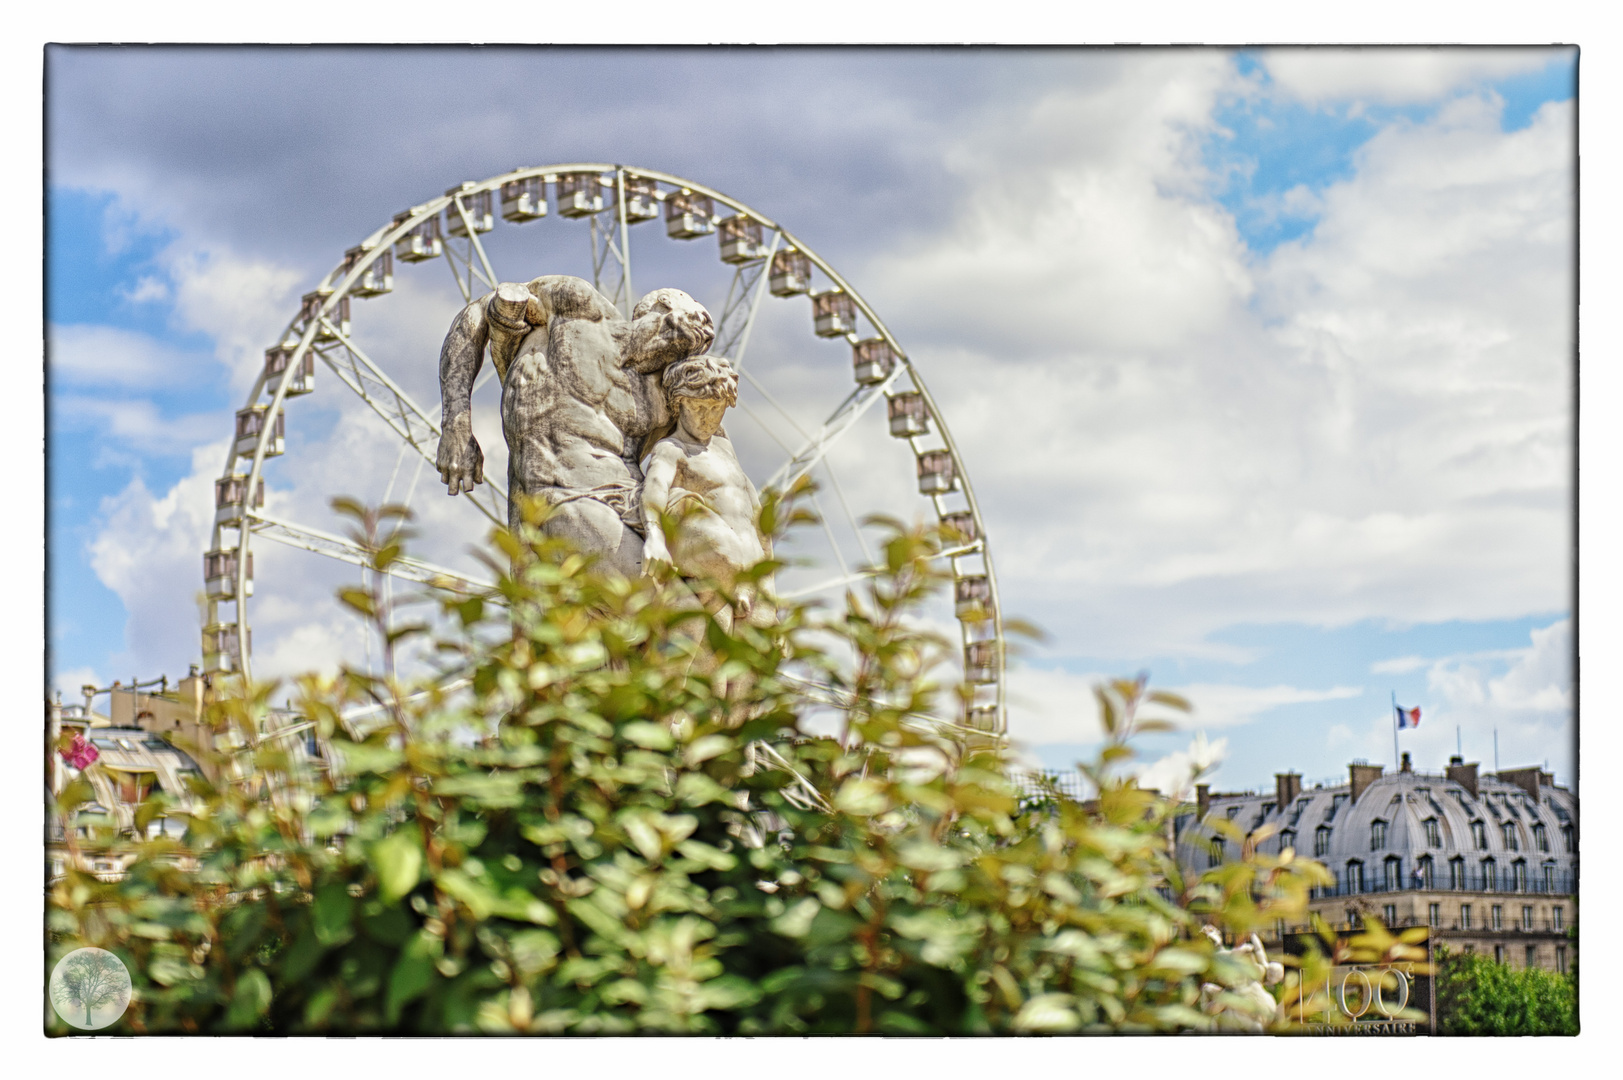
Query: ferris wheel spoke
x=404, y=416
x=343, y=549
x=818, y=446
x=776, y=405
x=839, y=493
x=742, y=303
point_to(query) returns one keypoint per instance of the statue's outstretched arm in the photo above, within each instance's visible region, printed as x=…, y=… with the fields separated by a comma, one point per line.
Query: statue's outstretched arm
x=460, y=462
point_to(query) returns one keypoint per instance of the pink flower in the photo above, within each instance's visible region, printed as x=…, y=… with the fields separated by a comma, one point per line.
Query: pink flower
x=80, y=753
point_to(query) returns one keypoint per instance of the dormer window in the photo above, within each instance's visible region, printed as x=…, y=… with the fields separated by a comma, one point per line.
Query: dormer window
x=1434, y=837
x=1479, y=835
x=1566, y=838
x=1508, y=832
x=1377, y=834
x=1321, y=841
x=1541, y=837
x=1214, y=856
x=1287, y=839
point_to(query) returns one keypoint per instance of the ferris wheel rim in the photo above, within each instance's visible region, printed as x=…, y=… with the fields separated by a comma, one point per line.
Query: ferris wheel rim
x=339, y=284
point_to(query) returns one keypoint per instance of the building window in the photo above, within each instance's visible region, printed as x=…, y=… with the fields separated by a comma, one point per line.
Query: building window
x=1214, y=856
x=1456, y=873
x=1496, y=917
x=1566, y=838
x=1555, y=914
x=1434, y=838
x=1287, y=839
x=1389, y=914
x=1479, y=835
x=1499, y=954
x=1561, y=959
x=1232, y=811
x=1423, y=872
x=1541, y=837
x=1377, y=834
x=1355, y=876
x=1434, y=914
x=1518, y=875
x=1532, y=956
x=1527, y=916
x=1392, y=874
x=1465, y=916
x=1321, y=841
x=1490, y=875
x=1352, y=916
x=1549, y=877
x=1508, y=831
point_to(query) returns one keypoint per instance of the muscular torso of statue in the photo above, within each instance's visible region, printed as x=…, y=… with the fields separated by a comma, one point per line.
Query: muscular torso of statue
x=580, y=396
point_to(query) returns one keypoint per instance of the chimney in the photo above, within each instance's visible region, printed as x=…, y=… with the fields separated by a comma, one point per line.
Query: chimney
x=1363, y=776
x=1203, y=800
x=1462, y=774
x=1527, y=779
x=1404, y=767
x=1287, y=785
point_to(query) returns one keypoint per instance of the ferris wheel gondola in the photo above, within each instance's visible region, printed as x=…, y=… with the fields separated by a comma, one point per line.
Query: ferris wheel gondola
x=765, y=259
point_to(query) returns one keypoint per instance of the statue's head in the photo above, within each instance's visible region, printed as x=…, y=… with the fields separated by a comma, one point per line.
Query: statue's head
x=683, y=320
x=700, y=389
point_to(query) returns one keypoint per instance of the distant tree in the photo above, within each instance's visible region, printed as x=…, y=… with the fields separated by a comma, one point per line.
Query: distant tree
x=1480, y=996
x=90, y=979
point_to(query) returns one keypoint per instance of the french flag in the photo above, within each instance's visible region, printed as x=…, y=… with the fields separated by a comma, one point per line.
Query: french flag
x=1408, y=718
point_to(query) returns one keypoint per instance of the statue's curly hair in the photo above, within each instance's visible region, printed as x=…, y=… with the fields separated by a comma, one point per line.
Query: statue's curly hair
x=703, y=376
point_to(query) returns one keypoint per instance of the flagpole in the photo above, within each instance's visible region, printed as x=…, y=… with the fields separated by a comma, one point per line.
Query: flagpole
x=1394, y=731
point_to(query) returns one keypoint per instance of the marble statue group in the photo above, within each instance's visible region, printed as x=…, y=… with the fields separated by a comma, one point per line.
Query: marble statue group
x=587, y=398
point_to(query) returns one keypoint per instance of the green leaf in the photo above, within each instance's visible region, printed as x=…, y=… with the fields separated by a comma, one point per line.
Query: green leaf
x=714, y=858
x=924, y=855
x=301, y=957
x=331, y=914
x=861, y=798
x=648, y=736
x=706, y=747
x=1048, y=1012
x=796, y=922
x=250, y=1000
x=398, y=858
x=359, y=599
x=412, y=975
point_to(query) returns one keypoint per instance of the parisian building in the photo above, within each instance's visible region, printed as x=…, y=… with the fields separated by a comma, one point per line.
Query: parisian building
x=144, y=745
x=1487, y=862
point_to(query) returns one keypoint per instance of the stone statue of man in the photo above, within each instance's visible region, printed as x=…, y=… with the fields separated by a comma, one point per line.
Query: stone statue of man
x=581, y=394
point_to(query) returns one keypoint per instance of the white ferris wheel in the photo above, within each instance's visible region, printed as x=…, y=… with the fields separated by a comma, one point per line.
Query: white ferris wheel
x=758, y=258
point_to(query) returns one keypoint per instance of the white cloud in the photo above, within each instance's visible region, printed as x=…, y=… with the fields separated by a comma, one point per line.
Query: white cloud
x=1219, y=705
x=68, y=684
x=1168, y=434
x=1053, y=705
x=1395, y=76
x=1174, y=774
x=1522, y=695
x=107, y=356
x=145, y=291
x=242, y=302
x=137, y=423
x=1398, y=665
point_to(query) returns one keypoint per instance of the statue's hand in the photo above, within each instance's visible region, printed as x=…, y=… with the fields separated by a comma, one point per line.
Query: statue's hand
x=461, y=463
x=656, y=556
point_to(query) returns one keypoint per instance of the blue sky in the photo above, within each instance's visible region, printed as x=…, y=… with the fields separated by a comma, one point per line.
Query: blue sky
x=1223, y=198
